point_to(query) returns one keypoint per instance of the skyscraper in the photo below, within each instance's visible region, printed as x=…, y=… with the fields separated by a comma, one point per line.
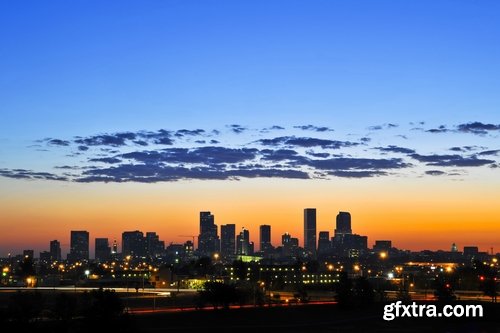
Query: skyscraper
x=79, y=246
x=154, y=246
x=310, y=231
x=133, y=244
x=227, y=240
x=55, y=250
x=324, y=244
x=265, y=238
x=243, y=243
x=343, y=226
x=208, y=240
x=102, y=249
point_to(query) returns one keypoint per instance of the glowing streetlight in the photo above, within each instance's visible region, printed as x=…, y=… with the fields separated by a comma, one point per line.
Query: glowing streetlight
x=383, y=255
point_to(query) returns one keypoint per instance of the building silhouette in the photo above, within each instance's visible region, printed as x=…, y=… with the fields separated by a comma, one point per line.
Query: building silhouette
x=102, y=249
x=310, y=231
x=243, y=243
x=227, y=240
x=324, y=243
x=265, y=238
x=133, y=244
x=55, y=250
x=208, y=240
x=79, y=246
x=154, y=246
x=343, y=225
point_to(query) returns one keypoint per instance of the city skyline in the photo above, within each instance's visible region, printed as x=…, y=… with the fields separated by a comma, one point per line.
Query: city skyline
x=139, y=116
x=228, y=241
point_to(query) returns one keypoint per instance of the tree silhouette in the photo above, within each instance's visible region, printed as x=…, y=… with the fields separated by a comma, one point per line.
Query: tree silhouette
x=489, y=287
x=219, y=294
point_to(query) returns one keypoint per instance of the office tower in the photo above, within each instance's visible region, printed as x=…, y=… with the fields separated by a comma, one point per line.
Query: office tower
x=382, y=245
x=154, y=247
x=285, y=239
x=133, y=244
x=55, y=250
x=324, y=244
x=102, y=249
x=208, y=240
x=343, y=226
x=310, y=231
x=227, y=240
x=243, y=242
x=79, y=246
x=265, y=238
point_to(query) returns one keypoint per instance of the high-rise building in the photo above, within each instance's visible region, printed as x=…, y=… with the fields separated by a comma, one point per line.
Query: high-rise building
x=208, y=240
x=310, y=231
x=79, y=245
x=324, y=244
x=102, y=249
x=265, y=238
x=343, y=225
x=154, y=246
x=55, y=250
x=243, y=243
x=227, y=240
x=133, y=244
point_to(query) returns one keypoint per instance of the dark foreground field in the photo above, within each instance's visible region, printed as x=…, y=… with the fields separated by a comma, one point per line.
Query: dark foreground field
x=308, y=318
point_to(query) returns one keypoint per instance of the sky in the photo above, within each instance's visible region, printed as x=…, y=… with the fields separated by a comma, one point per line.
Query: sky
x=138, y=115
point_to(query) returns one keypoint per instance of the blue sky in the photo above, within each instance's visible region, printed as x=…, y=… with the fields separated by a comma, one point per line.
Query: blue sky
x=90, y=67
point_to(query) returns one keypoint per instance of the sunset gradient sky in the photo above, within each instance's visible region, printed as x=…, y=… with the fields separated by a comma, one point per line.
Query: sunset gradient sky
x=138, y=115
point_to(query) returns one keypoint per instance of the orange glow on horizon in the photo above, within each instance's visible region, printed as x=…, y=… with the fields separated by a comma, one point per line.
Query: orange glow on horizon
x=409, y=213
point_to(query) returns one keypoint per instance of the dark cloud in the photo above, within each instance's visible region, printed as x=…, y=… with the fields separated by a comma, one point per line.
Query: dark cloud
x=451, y=160
x=283, y=155
x=237, y=128
x=435, y=173
x=160, y=137
x=477, y=128
x=319, y=155
x=440, y=129
x=109, y=160
x=102, y=140
x=200, y=141
x=367, y=164
x=140, y=143
x=490, y=152
x=214, y=142
x=395, y=149
x=58, y=142
x=162, y=173
x=383, y=126
x=276, y=127
x=357, y=174
x=30, y=175
x=272, y=128
x=306, y=142
x=184, y=132
x=314, y=128
x=201, y=155
x=83, y=148
x=466, y=148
